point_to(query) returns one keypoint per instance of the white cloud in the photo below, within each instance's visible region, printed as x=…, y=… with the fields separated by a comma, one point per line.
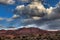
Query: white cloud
x=54, y=12
x=33, y=9
x=1, y=18
x=7, y=1
x=33, y=12
x=36, y=14
x=37, y=5
x=6, y=19
x=20, y=7
x=12, y=18
x=27, y=26
x=8, y=28
x=49, y=10
x=36, y=18
x=9, y=19
x=15, y=16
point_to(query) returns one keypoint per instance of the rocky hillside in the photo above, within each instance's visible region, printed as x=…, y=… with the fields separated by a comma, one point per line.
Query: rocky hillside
x=28, y=32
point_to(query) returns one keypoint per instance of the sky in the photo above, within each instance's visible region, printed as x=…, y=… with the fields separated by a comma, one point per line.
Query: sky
x=43, y=14
x=6, y=10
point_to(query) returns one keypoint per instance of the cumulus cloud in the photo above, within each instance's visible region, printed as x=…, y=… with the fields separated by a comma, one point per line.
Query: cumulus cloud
x=9, y=19
x=36, y=18
x=33, y=9
x=37, y=9
x=12, y=18
x=7, y=1
x=33, y=12
x=54, y=12
x=36, y=15
x=15, y=16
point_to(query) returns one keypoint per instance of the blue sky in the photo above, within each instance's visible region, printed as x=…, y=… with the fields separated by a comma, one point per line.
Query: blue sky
x=7, y=10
